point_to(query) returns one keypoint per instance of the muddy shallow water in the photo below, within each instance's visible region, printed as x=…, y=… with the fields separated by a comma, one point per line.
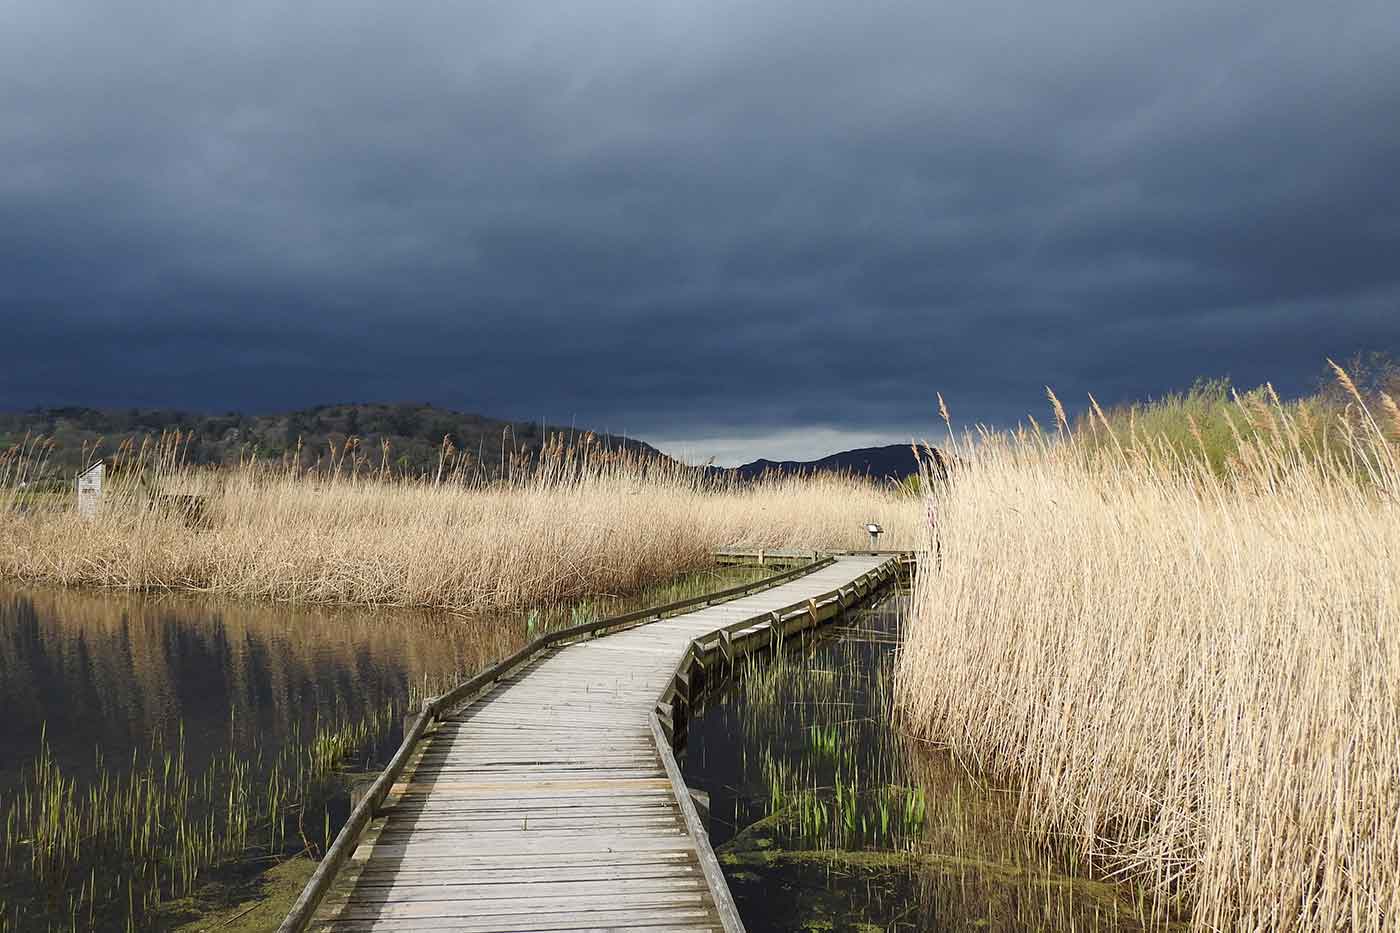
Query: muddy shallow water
x=826, y=817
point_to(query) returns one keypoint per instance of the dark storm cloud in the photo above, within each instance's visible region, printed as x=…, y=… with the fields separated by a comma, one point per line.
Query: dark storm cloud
x=691, y=221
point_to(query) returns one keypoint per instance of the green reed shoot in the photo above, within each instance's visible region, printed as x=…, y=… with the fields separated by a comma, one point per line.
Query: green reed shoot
x=106, y=855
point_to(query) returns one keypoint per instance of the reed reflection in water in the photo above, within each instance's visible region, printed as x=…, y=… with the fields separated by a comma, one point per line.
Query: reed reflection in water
x=150, y=740
x=113, y=672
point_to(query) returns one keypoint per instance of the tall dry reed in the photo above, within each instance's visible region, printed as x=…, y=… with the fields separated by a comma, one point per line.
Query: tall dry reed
x=1195, y=675
x=582, y=521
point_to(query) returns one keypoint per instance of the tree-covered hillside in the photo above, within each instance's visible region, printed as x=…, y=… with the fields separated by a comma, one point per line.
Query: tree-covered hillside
x=414, y=433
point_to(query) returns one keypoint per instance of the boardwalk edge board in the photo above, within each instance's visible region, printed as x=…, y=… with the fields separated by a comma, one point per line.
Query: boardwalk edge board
x=665, y=716
x=721, y=643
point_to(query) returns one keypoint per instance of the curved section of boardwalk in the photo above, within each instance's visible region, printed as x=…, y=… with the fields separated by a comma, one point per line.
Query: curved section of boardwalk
x=546, y=805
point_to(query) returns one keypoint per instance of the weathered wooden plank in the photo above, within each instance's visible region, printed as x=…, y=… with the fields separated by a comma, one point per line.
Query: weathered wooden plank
x=680, y=921
x=553, y=786
x=504, y=809
x=575, y=871
x=529, y=800
x=613, y=765
x=394, y=859
x=424, y=827
x=474, y=915
x=486, y=895
x=547, y=773
x=462, y=860
x=537, y=844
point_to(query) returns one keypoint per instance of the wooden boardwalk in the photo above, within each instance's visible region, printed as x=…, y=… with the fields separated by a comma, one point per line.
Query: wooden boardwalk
x=548, y=804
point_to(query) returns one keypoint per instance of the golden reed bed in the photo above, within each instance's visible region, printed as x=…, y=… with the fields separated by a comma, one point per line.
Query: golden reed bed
x=1195, y=675
x=585, y=521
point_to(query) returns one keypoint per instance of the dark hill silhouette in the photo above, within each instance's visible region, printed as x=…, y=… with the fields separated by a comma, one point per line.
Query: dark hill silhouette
x=414, y=432
x=894, y=461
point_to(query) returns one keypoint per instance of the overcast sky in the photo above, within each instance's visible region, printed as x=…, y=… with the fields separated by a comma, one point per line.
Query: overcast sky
x=731, y=228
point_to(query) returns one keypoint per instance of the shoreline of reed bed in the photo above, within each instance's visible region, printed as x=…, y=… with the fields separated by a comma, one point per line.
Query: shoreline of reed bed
x=1194, y=674
x=583, y=521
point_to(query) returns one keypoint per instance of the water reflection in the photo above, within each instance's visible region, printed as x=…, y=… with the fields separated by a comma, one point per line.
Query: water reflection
x=122, y=671
x=826, y=817
x=184, y=735
x=110, y=671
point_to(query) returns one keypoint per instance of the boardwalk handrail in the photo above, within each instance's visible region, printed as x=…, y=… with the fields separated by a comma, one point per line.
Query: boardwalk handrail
x=763, y=555
x=773, y=625
x=678, y=690
x=305, y=907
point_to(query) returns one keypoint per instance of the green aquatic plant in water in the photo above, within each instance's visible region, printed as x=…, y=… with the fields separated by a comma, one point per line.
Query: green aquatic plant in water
x=845, y=814
x=823, y=739
x=103, y=855
x=840, y=823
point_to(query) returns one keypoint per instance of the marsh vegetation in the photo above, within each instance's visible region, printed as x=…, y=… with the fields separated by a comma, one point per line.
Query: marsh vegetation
x=826, y=816
x=1155, y=646
x=580, y=521
x=1188, y=658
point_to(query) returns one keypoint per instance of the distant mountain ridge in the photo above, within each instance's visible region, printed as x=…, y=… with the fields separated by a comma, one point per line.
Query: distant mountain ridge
x=414, y=432
x=893, y=461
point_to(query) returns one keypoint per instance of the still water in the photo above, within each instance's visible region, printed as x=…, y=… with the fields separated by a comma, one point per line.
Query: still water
x=826, y=816
x=113, y=673
x=151, y=741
